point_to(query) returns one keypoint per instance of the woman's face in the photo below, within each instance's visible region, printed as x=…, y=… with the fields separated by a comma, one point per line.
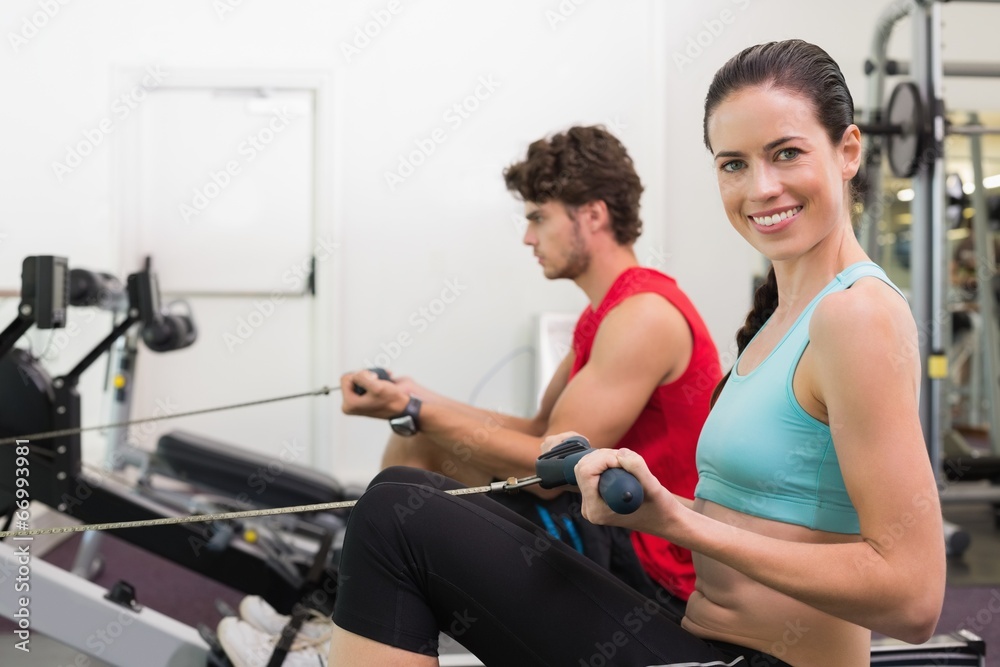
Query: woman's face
x=783, y=184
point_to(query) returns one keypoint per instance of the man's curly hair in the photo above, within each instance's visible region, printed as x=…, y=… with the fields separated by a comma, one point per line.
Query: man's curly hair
x=582, y=165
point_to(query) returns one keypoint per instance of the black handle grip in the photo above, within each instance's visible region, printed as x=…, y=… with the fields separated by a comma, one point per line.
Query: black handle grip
x=382, y=375
x=619, y=488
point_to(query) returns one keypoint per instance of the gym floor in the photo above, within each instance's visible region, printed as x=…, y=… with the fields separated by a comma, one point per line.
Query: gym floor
x=973, y=581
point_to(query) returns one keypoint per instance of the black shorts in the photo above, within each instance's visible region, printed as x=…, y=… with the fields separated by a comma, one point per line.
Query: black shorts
x=418, y=561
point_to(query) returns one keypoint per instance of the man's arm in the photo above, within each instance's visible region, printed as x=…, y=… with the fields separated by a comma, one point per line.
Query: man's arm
x=463, y=428
x=534, y=426
x=557, y=385
x=429, y=397
x=642, y=343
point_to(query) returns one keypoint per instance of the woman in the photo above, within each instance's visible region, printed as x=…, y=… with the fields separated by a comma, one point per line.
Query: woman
x=816, y=518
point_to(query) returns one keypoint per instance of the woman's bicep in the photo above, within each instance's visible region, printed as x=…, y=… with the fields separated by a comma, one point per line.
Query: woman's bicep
x=867, y=375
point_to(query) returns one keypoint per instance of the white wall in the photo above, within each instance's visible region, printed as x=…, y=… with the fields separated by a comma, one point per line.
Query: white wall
x=608, y=61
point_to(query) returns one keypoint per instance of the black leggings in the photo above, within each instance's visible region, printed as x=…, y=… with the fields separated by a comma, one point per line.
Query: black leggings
x=418, y=561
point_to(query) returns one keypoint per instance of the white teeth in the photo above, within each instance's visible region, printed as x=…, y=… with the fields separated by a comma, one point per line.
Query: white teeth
x=768, y=220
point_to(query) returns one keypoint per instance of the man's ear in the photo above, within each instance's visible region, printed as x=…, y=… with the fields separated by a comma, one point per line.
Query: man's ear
x=595, y=215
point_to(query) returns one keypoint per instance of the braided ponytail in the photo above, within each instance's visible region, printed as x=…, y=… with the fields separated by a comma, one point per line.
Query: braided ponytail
x=765, y=300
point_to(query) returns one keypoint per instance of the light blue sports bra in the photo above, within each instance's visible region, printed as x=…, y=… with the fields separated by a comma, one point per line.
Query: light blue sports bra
x=762, y=454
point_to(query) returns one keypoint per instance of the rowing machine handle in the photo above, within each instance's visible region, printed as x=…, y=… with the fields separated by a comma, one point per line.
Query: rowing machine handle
x=619, y=488
x=382, y=375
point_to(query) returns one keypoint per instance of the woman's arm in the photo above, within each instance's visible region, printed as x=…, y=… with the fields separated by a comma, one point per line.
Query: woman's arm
x=864, y=347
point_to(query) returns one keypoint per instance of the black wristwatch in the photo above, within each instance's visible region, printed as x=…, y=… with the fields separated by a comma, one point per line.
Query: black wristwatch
x=407, y=424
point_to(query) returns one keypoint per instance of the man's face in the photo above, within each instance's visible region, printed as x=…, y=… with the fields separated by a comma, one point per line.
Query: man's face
x=554, y=234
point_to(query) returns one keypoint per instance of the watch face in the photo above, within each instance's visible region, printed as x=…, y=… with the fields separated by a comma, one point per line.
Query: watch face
x=403, y=425
x=406, y=423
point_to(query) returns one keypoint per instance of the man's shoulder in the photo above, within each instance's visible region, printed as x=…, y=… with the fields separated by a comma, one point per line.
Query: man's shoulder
x=641, y=280
x=648, y=310
x=645, y=274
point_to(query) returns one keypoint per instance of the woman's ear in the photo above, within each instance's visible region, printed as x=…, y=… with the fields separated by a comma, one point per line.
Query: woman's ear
x=850, y=151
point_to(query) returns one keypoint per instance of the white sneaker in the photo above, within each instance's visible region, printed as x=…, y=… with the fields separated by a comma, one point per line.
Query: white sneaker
x=247, y=646
x=258, y=613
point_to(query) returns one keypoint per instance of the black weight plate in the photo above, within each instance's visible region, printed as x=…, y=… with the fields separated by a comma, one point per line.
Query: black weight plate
x=906, y=110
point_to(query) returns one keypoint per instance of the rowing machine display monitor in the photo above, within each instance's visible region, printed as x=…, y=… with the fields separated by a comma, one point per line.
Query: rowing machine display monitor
x=161, y=331
x=144, y=295
x=45, y=290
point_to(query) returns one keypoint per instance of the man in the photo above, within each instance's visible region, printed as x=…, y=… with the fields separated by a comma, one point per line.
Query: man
x=640, y=373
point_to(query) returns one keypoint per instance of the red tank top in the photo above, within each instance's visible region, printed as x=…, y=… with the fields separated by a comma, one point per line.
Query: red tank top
x=666, y=431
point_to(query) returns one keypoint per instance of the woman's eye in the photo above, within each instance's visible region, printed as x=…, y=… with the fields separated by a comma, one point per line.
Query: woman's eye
x=733, y=165
x=788, y=153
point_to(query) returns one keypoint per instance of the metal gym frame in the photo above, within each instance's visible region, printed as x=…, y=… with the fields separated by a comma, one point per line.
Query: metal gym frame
x=929, y=265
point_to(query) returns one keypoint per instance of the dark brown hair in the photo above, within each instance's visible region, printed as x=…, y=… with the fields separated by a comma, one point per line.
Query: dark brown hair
x=799, y=67
x=582, y=165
